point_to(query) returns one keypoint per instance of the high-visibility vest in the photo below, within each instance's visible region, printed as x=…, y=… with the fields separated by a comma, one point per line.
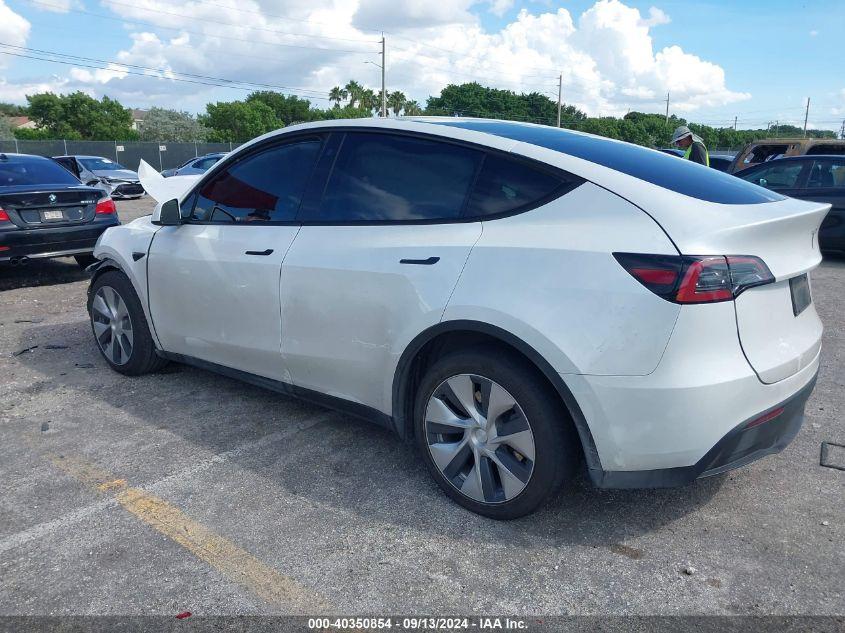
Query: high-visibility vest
x=706, y=153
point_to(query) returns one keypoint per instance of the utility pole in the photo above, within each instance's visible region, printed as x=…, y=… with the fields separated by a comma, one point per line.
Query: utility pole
x=559, y=95
x=734, y=124
x=667, y=107
x=806, y=114
x=383, y=90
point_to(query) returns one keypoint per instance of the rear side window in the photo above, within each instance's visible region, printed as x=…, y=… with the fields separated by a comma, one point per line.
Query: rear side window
x=826, y=174
x=778, y=175
x=826, y=148
x=393, y=178
x=34, y=171
x=265, y=187
x=762, y=153
x=505, y=185
x=681, y=176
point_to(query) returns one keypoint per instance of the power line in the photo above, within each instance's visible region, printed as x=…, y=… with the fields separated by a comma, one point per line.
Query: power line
x=143, y=71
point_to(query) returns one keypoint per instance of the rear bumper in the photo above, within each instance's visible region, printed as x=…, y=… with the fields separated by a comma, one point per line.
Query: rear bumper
x=56, y=242
x=741, y=446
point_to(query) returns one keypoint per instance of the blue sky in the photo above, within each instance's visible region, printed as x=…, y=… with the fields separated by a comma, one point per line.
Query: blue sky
x=773, y=54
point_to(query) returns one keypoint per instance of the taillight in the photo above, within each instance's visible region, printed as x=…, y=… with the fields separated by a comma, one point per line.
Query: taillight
x=688, y=279
x=105, y=206
x=4, y=217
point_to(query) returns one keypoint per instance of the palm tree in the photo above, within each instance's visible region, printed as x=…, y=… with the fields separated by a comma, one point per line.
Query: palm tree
x=369, y=100
x=337, y=94
x=412, y=108
x=395, y=100
x=353, y=90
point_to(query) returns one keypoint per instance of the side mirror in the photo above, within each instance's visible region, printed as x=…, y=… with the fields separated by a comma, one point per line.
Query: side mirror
x=169, y=214
x=763, y=182
x=91, y=183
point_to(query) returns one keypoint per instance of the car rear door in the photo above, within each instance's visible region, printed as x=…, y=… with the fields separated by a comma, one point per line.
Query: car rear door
x=825, y=182
x=214, y=281
x=379, y=253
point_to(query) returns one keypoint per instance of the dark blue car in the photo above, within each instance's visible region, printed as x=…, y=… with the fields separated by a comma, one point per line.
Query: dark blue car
x=816, y=178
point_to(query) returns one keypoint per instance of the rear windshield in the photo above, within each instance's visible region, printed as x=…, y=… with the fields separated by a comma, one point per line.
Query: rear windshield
x=663, y=170
x=33, y=171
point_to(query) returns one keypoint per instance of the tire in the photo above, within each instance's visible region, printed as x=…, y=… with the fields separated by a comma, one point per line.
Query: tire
x=516, y=484
x=83, y=261
x=119, y=326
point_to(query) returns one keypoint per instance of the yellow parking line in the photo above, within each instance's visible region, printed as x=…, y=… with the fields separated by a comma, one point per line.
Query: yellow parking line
x=227, y=558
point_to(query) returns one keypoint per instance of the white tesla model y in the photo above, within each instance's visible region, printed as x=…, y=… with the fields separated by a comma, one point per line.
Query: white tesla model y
x=513, y=298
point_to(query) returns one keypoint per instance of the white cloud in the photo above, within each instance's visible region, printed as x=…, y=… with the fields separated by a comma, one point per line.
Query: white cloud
x=656, y=17
x=606, y=54
x=500, y=7
x=813, y=33
x=14, y=30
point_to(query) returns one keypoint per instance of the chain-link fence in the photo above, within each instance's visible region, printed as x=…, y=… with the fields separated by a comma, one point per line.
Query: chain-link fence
x=128, y=153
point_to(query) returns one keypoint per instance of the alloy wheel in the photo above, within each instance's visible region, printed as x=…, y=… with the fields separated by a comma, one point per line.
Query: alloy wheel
x=112, y=325
x=479, y=438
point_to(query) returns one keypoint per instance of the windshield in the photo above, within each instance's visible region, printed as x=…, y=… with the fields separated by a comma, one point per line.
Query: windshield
x=658, y=168
x=100, y=164
x=36, y=171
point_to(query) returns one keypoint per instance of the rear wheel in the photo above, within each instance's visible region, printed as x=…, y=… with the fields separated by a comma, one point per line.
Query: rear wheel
x=120, y=327
x=493, y=434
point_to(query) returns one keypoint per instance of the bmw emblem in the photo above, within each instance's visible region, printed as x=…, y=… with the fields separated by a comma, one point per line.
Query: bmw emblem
x=52, y=198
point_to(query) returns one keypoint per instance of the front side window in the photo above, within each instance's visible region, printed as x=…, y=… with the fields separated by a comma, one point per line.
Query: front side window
x=776, y=176
x=504, y=185
x=264, y=187
x=826, y=173
x=384, y=177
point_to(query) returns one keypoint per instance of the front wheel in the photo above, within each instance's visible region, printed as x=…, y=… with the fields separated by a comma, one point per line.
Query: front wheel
x=120, y=327
x=493, y=433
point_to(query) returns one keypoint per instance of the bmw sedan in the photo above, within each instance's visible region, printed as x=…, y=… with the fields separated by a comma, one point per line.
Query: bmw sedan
x=96, y=171
x=514, y=299
x=195, y=166
x=47, y=212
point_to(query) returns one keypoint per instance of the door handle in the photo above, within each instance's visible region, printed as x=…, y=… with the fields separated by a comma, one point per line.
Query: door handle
x=269, y=251
x=421, y=262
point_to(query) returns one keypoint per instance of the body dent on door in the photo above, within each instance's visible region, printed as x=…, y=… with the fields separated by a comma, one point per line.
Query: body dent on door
x=211, y=300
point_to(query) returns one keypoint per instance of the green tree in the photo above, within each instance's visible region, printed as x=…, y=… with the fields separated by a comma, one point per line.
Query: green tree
x=396, y=101
x=354, y=90
x=79, y=116
x=337, y=94
x=238, y=121
x=12, y=109
x=369, y=100
x=172, y=126
x=412, y=108
x=6, y=129
x=288, y=109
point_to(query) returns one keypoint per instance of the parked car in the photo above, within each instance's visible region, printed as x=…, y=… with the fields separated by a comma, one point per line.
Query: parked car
x=816, y=178
x=46, y=212
x=195, y=166
x=510, y=297
x=113, y=178
x=717, y=161
x=765, y=150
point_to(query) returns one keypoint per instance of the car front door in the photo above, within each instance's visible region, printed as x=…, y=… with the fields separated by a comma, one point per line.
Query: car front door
x=214, y=280
x=826, y=183
x=379, y=253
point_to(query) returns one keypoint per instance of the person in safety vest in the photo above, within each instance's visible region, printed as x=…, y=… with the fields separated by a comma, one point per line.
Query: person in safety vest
x=692, y=145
